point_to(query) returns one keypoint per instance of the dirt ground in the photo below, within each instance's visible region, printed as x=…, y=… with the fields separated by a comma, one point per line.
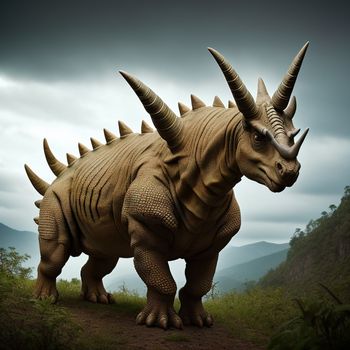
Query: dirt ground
x=117, y=330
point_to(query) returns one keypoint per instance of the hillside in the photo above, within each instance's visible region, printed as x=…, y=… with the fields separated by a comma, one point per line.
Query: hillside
x=318, y=254
x=236, y=276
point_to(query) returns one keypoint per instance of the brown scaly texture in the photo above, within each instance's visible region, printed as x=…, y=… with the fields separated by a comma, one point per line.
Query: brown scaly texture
x=165, y=194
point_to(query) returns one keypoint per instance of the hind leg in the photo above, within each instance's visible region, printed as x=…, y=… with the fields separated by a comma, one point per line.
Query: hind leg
x=91, y=276
x=53, y=258
x=54, y=247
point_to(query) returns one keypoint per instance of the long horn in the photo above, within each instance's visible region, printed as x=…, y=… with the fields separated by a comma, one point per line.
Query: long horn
x=55, y=165
x=244, y=99
x=286, y=152
x=164, y=119
x=282, y=95
x=39, y=184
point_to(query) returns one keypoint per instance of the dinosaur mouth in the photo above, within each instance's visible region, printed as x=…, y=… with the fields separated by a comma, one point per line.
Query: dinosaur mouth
x=268, y=182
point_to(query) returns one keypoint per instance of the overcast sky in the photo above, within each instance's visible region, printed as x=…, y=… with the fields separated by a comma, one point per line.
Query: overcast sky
x=58, y=79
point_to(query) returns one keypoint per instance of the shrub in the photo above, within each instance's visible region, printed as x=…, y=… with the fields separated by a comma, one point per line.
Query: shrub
x=322, y=325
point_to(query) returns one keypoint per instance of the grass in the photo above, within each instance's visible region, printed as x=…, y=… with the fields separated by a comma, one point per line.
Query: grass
x=254, y=315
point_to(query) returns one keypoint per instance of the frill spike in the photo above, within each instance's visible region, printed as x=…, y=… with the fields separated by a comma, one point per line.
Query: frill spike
x=36, y=220
x=109, y=136
x=55, y=165
x=145, y=128
x=39, y=184
x=217, y=102
x=124, y=129
x=95, y=143
x=231, y=104
x=71, y=158
x=183, y=109
x=196, y=102
x=82, y=149
x=37, y=203
x=291, y=108
x=168, y=125
x=262, y=95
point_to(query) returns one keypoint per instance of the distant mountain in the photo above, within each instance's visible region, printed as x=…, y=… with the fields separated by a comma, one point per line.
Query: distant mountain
x=236, y=265
x=241, y=264
x=320, y=253
x=236, y=276
x=237, y=255
x=131, y=282
x=25, y=242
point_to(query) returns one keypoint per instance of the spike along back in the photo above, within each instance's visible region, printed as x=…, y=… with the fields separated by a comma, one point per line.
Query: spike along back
x=166, y=194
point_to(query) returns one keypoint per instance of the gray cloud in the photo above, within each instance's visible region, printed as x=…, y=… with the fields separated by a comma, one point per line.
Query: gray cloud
x=58, y=79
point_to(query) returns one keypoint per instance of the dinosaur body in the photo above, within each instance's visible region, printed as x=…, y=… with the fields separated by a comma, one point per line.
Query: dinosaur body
x=160, y=196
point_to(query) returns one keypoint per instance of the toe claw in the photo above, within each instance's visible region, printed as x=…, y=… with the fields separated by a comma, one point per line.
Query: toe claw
x=151, y=318
x=163, y=322
x=111, y=299
x=140, y=319
x=92, y=298
x=198, y=321
x=103, y=299
x=208, y=321
x=177, y=323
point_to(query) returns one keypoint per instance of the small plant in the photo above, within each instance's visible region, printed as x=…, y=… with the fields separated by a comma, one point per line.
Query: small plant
x=322, y=325
x=26, y=323
x=11, y=263
x=213, y=292
x=175, y=337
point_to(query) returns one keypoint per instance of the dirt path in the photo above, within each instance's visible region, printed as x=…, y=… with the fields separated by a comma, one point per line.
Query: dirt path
x=117, y=330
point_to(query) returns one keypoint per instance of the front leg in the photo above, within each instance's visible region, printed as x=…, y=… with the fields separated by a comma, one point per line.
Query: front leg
x=199, y=277
x=148, y=213
x=154, y=271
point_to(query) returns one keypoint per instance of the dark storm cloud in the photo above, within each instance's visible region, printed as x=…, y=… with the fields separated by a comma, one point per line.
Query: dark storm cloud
x=61, y=40
x=55, y=38
x=58, y=66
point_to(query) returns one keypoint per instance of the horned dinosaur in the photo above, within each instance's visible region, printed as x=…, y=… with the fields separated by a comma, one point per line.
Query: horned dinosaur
x=166, y=194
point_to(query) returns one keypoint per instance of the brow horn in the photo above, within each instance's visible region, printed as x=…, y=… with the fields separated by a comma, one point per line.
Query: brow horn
x=282, y=95
x=242, y=96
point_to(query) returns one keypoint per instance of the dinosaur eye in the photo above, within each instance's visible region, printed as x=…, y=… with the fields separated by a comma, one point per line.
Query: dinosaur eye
x=257, y=137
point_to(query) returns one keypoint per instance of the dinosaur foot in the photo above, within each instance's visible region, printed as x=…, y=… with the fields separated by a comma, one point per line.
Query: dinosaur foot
x=159, y=311
x=95, y=292
x=46, y=288
x=192, y=311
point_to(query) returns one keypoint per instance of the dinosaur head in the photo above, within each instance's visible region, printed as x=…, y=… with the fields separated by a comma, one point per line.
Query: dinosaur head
x=266, y=151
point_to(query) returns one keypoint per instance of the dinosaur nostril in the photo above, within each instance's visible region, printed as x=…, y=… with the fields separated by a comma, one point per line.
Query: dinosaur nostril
x=279, y=168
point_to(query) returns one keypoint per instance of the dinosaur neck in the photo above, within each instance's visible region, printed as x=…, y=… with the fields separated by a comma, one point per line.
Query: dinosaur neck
x=207, y=169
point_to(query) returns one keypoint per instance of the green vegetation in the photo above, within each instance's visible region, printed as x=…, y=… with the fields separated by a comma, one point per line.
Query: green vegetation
x=255, y=314
x=318, y=254
x=26, y=323
x=322, y=325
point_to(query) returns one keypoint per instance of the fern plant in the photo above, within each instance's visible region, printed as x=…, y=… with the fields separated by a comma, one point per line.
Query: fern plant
x=322, y=325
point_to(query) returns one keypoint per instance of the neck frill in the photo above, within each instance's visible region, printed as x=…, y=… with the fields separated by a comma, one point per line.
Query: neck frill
x=204, y=171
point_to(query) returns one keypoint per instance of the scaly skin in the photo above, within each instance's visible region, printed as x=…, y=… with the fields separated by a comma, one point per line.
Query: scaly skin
x=164, y=196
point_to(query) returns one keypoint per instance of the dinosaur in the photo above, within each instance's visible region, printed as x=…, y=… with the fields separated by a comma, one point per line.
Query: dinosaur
x=167, y=194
